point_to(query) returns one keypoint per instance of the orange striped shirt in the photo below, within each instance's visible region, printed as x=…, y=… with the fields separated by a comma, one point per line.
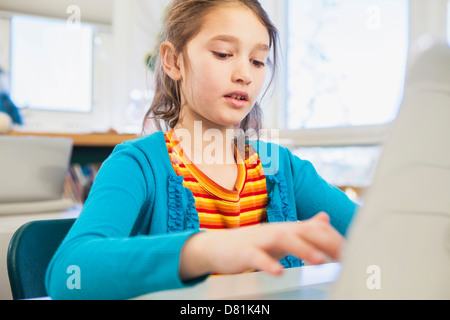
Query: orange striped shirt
x=217, y=207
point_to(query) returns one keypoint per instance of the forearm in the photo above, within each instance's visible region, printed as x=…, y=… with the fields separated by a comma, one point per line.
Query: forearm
x=117, y=268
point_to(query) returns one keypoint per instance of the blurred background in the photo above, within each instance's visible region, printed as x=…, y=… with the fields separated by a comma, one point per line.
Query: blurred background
x=81, y=67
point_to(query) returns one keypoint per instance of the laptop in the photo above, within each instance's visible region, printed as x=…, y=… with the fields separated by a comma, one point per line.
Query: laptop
x=399, y=243
x=32, y=173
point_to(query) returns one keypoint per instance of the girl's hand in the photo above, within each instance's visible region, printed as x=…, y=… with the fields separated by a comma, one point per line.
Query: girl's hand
x=259, y=248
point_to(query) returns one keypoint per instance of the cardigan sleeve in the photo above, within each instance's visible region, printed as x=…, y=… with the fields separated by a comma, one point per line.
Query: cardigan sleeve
x=111, y=263
x=314, y=195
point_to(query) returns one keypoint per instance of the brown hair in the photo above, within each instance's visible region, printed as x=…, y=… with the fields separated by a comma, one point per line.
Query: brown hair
x=182, y=22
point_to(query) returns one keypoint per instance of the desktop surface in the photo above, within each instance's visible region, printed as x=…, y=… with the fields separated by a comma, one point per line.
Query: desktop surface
x=305, y=283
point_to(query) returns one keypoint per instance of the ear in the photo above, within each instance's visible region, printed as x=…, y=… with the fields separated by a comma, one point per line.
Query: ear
x=170, y=61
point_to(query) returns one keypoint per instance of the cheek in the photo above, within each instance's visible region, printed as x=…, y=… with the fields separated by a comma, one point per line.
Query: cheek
x=208, y=80
x=260, y=78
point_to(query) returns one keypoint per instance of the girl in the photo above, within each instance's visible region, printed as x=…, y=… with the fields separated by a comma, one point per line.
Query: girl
x=161, y=215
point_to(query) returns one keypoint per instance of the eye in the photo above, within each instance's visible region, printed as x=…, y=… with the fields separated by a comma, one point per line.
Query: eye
x=258, y=64
x=222, y=56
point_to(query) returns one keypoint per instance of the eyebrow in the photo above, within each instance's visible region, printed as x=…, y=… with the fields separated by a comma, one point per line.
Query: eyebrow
x=235, y=40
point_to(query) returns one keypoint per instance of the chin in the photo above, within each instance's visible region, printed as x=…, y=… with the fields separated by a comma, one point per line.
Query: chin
x=229, y=122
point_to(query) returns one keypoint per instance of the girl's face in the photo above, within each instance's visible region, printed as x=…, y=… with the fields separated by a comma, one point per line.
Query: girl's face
x=225, y=67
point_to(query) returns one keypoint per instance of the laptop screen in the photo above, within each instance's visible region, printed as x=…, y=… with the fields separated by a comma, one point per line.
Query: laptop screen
x=33, y=168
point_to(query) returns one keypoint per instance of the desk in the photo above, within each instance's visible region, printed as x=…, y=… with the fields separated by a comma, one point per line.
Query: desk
x=306, y=283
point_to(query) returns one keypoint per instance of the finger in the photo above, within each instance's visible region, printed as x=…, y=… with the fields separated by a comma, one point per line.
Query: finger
x=260, y=260
x=285, y=241
x=307, y=252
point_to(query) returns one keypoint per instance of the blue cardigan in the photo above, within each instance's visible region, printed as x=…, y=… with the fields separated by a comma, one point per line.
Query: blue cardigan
x=128, y=238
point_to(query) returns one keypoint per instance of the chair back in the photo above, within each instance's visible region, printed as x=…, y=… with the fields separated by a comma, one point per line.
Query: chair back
x=30, y=251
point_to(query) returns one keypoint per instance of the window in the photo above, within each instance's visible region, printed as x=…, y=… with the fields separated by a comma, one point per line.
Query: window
x=349, y=168
x=60, y=72
x=51, y=64
x=346, y=67
x=346, y=62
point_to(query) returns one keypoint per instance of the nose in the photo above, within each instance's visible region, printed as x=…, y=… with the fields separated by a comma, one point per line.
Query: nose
x=242, y=72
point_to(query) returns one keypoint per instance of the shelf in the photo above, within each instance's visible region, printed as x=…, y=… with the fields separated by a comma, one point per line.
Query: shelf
x=85, y=140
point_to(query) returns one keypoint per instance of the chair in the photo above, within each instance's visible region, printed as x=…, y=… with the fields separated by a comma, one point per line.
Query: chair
x=30, y=250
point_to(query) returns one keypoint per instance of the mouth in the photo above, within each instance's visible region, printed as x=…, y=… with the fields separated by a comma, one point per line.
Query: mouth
x=239, y=96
